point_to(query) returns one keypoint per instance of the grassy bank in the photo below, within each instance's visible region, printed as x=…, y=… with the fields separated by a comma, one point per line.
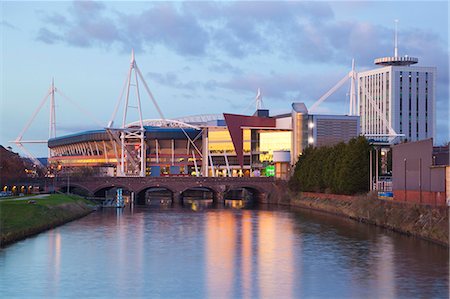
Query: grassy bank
x=426, y=222
x=20, y=219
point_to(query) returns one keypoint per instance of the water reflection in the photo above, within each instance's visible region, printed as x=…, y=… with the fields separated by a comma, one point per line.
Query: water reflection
x=238, y=203
x=220, y=253
x=196, y=204
x=247, y=254
x=385, y=271
x=54, y=261
x=180, y=251
x=275, y=257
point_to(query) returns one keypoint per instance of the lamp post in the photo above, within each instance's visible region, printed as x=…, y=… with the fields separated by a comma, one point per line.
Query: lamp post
x=68, y=182
x=370, y=170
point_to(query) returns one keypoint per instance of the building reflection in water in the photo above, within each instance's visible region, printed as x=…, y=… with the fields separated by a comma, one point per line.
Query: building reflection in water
x=275, y=256
x=221, y=253
x=54, y=256
x=220, y=245
x=249, y=255
x=198, y=204
x=385, y=270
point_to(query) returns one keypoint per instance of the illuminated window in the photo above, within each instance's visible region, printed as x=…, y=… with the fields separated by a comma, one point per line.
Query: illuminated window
x=220, y=140
x=273, y=141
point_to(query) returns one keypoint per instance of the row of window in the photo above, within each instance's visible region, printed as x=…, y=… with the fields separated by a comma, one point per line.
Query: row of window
x=410, y=103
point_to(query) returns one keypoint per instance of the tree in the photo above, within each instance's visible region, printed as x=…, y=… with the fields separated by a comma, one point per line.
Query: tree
x=341, y=169
x=12, y=166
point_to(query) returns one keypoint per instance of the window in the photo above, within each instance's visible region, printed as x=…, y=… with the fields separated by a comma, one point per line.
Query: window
x=410, y=104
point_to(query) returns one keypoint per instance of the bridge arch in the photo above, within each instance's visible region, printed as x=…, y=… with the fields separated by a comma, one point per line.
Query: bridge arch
x=144, y=195
x=102, y=191
x=256, y=193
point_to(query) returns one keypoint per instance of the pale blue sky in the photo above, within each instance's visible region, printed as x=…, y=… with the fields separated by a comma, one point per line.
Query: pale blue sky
x=203, y=57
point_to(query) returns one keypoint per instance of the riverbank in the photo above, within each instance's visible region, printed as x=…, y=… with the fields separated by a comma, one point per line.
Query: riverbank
x=24, y=217
x=430, y=223
x=426, y=222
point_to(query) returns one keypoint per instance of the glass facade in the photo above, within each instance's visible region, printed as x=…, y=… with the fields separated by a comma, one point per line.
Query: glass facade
x=270, y=141
x=220, y=140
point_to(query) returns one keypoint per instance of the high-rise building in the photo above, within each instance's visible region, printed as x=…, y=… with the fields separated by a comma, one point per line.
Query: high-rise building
x=397, y=100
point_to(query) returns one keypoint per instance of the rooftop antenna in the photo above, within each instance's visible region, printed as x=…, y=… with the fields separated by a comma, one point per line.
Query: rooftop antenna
x=396, y=39
x=396, y=60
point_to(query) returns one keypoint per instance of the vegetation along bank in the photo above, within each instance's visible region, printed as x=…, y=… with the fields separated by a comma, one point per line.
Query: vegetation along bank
x=27, y=216
x=335, y=180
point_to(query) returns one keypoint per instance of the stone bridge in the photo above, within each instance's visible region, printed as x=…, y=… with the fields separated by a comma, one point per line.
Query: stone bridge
x=262, y=187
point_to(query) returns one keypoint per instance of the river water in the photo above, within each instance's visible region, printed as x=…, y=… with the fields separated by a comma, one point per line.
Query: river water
x=195, y=252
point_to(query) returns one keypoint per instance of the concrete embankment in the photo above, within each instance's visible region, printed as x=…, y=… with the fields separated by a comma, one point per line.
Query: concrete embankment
x=21, y=218
x=427, y=222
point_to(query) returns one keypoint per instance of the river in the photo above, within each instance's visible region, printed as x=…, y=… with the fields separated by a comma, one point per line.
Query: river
x=201, y=252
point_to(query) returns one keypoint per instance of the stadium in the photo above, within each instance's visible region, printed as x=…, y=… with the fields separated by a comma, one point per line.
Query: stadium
x=209, y=145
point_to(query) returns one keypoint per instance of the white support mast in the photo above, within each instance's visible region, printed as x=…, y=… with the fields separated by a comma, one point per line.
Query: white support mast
x=352, y=76
x=19, y=142
x=353, y=99
x=226, y=163
x=52, y=120
x=51, y=130
x=133, y=156
x=258, y=99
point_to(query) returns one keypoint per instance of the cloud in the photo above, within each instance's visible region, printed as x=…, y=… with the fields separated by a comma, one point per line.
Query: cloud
x=307, y=32
x=163, y=24
x=85, y=26
x=56, y=19
x=8, y=25
x=238, y=29
x=222, y=67
x=172, y=80
x=304, y=31
x=301, y=33
x=47, y=36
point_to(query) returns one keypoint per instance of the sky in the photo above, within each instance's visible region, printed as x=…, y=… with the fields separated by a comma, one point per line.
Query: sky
x=202, y=57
